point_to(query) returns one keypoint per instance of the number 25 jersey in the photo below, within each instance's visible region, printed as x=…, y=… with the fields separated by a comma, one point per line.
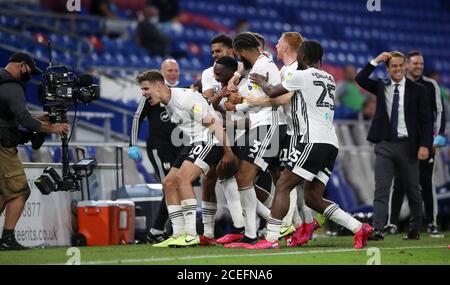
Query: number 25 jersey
x=312, y=106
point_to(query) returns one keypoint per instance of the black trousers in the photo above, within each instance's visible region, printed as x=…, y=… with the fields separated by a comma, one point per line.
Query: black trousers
x=392, y=160
x=426, y=171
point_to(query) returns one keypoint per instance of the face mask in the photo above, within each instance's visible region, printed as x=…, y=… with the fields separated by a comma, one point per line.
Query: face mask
x=25, y=76
x=171, y=85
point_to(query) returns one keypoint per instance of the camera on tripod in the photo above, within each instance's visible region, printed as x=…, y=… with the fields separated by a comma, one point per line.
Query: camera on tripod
x=59, y=90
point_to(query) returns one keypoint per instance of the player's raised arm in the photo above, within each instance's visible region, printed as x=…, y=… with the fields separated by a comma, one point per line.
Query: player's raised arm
x=266, y=102
x=271, y=91
x=216, y=127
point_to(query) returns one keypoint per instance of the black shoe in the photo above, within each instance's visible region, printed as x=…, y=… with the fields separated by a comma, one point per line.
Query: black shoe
x=10, y=243
x=235, y=230
x=246, y=239
x=151, y=238
x=432, y=229
x=412, y=235
x=376, y=235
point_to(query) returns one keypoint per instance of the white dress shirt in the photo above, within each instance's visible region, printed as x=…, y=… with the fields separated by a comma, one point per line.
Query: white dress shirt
x=389, y=97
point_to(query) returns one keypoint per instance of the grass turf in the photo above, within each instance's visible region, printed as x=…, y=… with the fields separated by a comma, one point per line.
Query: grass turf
x=321, y=250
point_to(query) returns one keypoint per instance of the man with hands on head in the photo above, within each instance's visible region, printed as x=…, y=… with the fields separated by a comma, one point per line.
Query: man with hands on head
x=414, y=68
x=402, y=132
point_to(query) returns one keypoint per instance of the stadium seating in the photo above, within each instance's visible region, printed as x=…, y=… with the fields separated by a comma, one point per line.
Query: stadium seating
x=349, y=33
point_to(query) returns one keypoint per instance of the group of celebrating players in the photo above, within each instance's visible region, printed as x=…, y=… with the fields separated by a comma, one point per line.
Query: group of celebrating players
x=250, y=118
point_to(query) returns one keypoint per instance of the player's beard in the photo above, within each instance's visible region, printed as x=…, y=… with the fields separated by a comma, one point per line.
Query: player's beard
x=247, y=64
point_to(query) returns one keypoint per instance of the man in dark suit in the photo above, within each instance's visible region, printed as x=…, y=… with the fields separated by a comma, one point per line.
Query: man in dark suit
x=414, y=71
x=402, y=132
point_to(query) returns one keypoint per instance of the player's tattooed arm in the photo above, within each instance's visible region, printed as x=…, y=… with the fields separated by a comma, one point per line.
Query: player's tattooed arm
x=215, y=100
x=234, y=99
x=271, y=91
x=216, y=127
x=267, y=102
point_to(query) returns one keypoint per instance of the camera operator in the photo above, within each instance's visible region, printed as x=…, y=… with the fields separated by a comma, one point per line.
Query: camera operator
x=14, y=189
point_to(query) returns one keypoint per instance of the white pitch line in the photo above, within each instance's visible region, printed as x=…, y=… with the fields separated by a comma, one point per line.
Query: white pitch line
x=269, y=253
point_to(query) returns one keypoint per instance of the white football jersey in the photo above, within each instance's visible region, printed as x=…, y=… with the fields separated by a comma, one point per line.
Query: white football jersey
x=260, y=116
x=187, y=109
x=286, y=73
x=242, y=89
x=287, y=70
x=312, y=105
x=209, y=81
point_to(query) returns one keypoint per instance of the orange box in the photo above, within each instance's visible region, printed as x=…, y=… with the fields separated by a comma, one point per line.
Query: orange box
x=106, y=222
x=122, y=226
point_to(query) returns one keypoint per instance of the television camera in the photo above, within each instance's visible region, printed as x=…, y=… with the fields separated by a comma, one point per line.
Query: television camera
x=58, y=91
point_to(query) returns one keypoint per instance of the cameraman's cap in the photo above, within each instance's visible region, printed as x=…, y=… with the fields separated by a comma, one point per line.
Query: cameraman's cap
x=20, y=56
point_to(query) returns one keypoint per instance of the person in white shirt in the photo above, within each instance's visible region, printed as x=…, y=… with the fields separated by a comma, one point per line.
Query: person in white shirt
x=313, y=156
x=262, y=140
x=208, y=145
x=221, y=46
x=305, y=224
x=160, y=153
x=236, y=122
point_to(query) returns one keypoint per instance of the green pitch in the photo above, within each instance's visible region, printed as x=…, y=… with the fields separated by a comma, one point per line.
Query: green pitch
x=321, y=250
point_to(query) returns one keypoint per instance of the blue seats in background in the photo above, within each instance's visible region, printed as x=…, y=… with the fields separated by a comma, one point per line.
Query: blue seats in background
x=340, y=192
x=346, y=30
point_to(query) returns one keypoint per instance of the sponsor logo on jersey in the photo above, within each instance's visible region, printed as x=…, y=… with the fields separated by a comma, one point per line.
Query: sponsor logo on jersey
x=196, y=108
x=216, y=89
x=165, y=116
x=288, y=76
x=166, y=165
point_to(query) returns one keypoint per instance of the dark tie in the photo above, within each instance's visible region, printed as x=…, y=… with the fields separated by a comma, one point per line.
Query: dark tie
x=394, y=114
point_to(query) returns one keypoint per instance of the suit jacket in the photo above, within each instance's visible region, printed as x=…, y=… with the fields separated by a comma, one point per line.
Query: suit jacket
x=417, y=112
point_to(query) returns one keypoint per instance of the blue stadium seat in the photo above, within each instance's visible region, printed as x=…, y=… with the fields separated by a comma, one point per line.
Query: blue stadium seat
x=341, y=193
